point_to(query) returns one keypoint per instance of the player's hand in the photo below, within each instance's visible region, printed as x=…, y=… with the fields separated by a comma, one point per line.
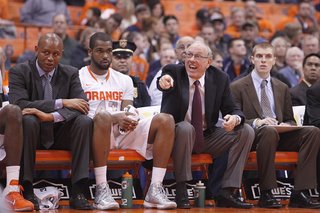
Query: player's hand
x=230, y=122
x=42, y=116
x=77, y=103
x=124, y=121
x=166, y=82
x=267, y=121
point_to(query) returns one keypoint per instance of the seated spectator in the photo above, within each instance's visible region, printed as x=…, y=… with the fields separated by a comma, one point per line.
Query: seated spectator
x=126, y=10
x=202, y=18
x=42, y=11
x=280, y=49
x=311, y=71
x=294, y=33
x=152, y=28
x=208, y=32
x=275, y=108
x=141, y=12
x=92, y=15
x=180, y=52
x=171, y=26
x=217, y=59
x=113, y=23
x=250, y=35
x=155, y=65
x=237, y=19
x=105, y=7
x=305, y=16
x=11, y=144
x=237, y=62
x=156, y=9
x=217, y=20
x=4, y=13
x=152, y=137
x=140, y=66
x=79, y=55
x=266, y=27
x=293, y=72
x=310, y=44
x=60, y=26
x=167, y=56
x=122, y=62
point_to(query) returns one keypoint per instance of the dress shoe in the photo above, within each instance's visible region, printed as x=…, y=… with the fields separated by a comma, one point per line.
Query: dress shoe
x=80, y=203
x=182, y=200
x=224, y=200
x=302, y=199
x=268, y=201
x=33, y=200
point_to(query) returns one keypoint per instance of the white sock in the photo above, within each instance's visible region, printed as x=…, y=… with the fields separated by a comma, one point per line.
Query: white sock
x=101, y=174
x=158, y=174
x=12, y=173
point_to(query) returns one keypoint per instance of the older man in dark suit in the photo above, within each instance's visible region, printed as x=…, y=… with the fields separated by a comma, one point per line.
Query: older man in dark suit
x=265, y=101
x=311, y=71
x=54, y=114
x=194, y=93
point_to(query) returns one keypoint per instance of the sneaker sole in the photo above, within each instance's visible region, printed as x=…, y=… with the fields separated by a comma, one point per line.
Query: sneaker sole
x=25, y=209
x=101, y=207
x=158, y=206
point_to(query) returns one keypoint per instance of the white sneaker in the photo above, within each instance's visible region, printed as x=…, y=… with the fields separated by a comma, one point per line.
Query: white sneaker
x=103, y=199
x=156, y=198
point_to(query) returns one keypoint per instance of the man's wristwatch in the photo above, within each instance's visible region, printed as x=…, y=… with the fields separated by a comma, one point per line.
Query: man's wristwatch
x=238, y=120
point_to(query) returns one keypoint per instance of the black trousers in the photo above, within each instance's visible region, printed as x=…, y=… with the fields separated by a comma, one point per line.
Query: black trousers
x=74, y=135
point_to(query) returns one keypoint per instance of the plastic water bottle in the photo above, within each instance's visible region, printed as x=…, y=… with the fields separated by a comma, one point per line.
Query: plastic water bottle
x=126, y=191
x=200, y=195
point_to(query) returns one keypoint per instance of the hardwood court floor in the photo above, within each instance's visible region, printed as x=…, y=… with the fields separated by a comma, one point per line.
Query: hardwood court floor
x=65, y=209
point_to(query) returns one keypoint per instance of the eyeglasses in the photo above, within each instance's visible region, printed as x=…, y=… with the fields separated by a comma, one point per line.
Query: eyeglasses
x=197, y=57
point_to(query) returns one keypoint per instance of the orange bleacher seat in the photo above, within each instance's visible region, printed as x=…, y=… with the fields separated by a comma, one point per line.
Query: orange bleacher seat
x=14, y=47
x=75, y=14
x=14, y=10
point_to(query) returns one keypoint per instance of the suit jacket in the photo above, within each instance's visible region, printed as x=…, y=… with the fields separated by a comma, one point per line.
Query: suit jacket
x=247, y=99
x=312, y=113
x=25, y=88
x=175, y=100
x=298, y=94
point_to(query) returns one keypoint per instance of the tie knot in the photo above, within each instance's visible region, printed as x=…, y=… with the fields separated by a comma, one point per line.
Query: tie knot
x=264, y=83
x=196, y=83
x=46, y=76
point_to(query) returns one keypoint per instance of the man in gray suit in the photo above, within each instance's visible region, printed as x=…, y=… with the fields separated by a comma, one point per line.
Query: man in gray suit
x=194, y=93
x=54, y=115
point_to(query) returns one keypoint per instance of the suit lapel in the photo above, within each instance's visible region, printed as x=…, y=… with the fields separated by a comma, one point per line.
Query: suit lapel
x=56, y=82
x=210, y=95
x=37, y=79
x=278, y=101
x=252, y=94
x=185, y=94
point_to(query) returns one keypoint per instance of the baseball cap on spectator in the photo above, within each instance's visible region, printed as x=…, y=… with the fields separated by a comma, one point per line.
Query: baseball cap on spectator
x=249, y=23
x=216, y=17
x=203, y=15
x=140, y=8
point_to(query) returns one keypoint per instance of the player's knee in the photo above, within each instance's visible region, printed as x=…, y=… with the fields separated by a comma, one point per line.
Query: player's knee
x=102, y=119
x=13, y=113
x=165, y=120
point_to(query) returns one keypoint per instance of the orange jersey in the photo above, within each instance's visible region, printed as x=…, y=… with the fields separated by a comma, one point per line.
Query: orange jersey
x=5, y=83
x=96, y=4
x=139, y=67
x=233, y=31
